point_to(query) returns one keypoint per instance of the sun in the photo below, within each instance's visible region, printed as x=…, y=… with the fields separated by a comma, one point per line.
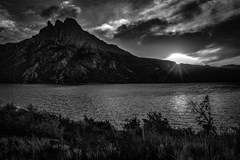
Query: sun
x=183, y=58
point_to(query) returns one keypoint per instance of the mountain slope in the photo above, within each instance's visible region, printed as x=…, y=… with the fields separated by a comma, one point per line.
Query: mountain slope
x=65, y=53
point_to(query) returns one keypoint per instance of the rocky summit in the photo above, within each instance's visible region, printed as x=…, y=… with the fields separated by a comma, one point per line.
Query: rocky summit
x=64, y=53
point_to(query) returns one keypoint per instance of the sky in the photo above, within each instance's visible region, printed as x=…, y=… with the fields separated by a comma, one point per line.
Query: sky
x=202, y=32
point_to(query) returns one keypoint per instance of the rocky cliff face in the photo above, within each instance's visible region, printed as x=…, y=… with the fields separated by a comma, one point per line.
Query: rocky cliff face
x=65, y=53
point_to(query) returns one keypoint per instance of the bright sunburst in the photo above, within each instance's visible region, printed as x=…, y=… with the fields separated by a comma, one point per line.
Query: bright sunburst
x=182, y=58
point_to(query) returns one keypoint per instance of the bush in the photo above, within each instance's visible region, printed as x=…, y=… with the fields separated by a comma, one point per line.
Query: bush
x=133, y=125
x=204, y=118
x=155, y=122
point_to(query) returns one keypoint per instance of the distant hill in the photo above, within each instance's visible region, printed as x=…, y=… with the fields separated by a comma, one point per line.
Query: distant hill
x=66, y=54
x=231, y=66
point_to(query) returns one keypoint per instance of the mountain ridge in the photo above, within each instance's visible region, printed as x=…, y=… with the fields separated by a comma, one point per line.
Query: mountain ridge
x=66, y=54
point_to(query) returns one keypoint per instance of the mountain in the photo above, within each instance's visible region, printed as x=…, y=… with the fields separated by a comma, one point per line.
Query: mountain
x=64, y=53
x=232, y=66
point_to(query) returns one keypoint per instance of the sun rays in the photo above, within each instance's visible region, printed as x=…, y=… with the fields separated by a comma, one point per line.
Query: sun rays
x=178, y=71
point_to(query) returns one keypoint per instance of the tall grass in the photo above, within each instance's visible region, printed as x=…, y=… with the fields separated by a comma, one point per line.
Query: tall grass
x=32, y=134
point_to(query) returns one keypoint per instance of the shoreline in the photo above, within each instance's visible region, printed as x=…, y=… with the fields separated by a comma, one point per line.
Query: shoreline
x=137, y=83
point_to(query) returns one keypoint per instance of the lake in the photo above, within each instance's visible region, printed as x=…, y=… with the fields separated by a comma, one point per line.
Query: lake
x=121, y=101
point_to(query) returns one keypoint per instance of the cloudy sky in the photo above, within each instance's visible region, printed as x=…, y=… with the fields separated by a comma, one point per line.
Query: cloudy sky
x=186, y=31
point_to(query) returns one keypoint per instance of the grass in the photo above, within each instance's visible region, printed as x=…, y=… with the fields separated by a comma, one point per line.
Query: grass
x=36, y=135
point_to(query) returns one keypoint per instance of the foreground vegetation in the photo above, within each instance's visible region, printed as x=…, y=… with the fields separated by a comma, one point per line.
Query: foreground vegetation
x=31, y=134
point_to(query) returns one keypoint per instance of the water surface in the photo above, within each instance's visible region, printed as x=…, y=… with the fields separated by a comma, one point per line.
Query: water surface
x=121, y=101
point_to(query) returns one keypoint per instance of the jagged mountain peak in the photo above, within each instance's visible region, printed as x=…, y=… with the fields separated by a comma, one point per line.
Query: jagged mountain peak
x=68, y=23
x=58, y=23
x=49, y=24
x=70, y=32
x=71, y=22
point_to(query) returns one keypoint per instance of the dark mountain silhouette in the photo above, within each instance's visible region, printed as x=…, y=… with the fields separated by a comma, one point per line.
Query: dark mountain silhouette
x=65, y=53
x=232, y=66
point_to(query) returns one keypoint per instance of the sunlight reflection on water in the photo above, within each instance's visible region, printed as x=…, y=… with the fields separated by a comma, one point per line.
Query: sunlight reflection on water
x=118, y=102
x=180, y=103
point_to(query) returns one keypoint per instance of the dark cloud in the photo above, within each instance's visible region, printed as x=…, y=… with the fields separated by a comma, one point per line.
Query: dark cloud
x=99, y=12
x=49, y=12
x=5, y=40
x=69, y=12
x=60, y=12
x=139, y=29
x=12, y=35
x=186, y=11
x=18, y=8
x=174, y=3
x=190, y=10
x=214, y=11
x=135, y=4
x=1, y=29
x=236, y=5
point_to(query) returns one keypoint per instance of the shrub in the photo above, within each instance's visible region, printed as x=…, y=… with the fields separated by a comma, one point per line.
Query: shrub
x=132, y=125
x=156, y=122
x=204, y=118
